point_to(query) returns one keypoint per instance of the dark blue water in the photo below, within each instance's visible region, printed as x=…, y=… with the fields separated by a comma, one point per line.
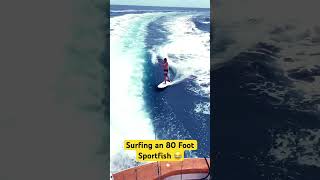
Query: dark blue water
x=260, y=123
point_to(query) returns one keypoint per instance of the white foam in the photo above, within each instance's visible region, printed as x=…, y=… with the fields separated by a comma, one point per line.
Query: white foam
x=202, y=107
x=128, y=118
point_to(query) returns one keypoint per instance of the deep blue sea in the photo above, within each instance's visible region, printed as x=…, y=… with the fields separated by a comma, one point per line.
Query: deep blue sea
x=266, y=94
x=139, y=38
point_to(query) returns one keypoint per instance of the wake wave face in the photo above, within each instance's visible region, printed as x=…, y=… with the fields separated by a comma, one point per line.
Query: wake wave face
x=188, y=52
x=128, y=117
x=187, y=49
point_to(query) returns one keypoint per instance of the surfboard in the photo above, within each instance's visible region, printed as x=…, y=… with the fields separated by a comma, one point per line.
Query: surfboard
x=164, y=85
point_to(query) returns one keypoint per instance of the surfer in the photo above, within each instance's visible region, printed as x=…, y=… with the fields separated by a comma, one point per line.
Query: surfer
x=166, y=70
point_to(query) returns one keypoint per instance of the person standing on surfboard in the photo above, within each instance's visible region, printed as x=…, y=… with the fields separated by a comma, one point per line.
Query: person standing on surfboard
x=166, y=70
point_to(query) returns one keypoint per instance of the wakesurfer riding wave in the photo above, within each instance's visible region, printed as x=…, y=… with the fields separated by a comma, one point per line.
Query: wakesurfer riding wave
x=166, y=82
x=166, y=70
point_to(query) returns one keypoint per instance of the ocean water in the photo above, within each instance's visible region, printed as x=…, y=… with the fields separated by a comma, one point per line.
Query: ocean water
x=139, y=37
x=266, y=90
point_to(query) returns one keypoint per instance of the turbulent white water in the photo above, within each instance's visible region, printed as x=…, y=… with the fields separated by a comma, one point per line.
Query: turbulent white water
x=128, y=117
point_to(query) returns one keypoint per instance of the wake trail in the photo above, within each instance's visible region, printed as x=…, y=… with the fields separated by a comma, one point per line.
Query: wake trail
x=129, y=119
